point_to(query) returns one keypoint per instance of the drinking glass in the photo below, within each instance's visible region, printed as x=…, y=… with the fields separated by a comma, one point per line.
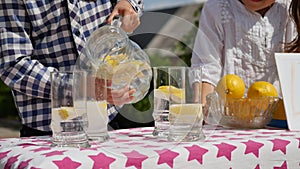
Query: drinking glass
x=177, y=103
x=97, y=109
x=69, y=110
x=185, y=105
x=161, y=101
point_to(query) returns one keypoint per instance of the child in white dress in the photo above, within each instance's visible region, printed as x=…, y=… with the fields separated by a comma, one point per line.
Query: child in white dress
x=240, y=37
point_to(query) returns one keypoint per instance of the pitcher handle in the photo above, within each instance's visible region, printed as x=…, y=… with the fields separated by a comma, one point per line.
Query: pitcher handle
x=117, y=21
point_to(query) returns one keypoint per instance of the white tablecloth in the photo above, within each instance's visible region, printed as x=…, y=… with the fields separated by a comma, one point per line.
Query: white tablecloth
x=137, y=148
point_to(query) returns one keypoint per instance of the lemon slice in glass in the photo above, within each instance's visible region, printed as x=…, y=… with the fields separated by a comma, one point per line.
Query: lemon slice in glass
x=176, y=94
x=185, y=113
x=102, y=108
x=66, y=113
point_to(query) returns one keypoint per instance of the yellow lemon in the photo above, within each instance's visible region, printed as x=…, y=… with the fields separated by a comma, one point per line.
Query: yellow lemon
x=231, y=86
x=262, y=89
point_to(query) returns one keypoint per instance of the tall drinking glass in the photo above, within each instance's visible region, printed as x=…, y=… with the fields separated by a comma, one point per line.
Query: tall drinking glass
x=177, y=103
x=97, y=109
x=161, y=101
x=69, y=110
x=185, y=106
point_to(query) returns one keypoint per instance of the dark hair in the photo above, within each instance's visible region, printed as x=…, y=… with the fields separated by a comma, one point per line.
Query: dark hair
x=294, y=11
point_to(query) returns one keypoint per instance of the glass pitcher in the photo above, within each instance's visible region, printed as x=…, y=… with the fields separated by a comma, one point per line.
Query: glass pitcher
x=113, y=56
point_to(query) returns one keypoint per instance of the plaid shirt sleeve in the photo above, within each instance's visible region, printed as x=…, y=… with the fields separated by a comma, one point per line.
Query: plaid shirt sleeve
x=18, y=69
x=38, y=37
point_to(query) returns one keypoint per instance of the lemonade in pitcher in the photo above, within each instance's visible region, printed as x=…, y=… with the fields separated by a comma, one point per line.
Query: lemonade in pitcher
x=111, y=55
x=121, y=70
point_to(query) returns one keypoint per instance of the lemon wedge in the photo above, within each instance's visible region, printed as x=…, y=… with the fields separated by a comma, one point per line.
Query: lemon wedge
x=66, y=112
x=121, y=70
x=102, y=108
x=115, y=60
x=176, y=94
x=186, y=108
x=185, y=113
x=102, y=104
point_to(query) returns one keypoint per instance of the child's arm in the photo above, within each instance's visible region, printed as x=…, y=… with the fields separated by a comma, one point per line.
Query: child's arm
x=208, y=48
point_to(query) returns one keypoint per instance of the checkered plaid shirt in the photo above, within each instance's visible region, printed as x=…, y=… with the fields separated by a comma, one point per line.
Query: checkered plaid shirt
x=38, y=37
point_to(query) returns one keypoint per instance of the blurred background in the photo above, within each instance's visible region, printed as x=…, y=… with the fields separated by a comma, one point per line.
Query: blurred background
x=166, y=34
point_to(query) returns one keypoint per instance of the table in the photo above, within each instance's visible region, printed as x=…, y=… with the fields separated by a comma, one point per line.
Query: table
x=137, y=148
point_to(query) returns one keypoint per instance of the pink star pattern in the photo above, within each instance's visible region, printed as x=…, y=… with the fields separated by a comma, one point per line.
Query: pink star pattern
x=102, y=161
x=4, y=154
x=261, y=136
x=166, y=156
x=121, y=141
x=124, y=133
x=53, y=153
x=210, y=141
x=24, y=164
x=236, y=138
x=11, y=161
x=268, y=132
x=217, y=136
x=135, y=143
x=66, y=163
x=147, y=131
x=226, y=147
x=196, y=153
x=25, y=145
x=297, y=139
x=150, y=146
x=41, y=149
x=279, y=144
x=283, y=166
x=134, y=158
x=225, y=150
x=244, y=134
x=287, y=135
x=93, y=148
x=226, y=132
x=135, y=135
x=41, y=141
x=253, y=147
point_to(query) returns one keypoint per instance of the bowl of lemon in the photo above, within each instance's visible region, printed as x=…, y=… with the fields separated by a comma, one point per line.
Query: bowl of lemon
x=231, y=107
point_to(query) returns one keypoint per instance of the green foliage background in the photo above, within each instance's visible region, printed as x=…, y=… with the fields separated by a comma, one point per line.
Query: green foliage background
x=7, y=106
